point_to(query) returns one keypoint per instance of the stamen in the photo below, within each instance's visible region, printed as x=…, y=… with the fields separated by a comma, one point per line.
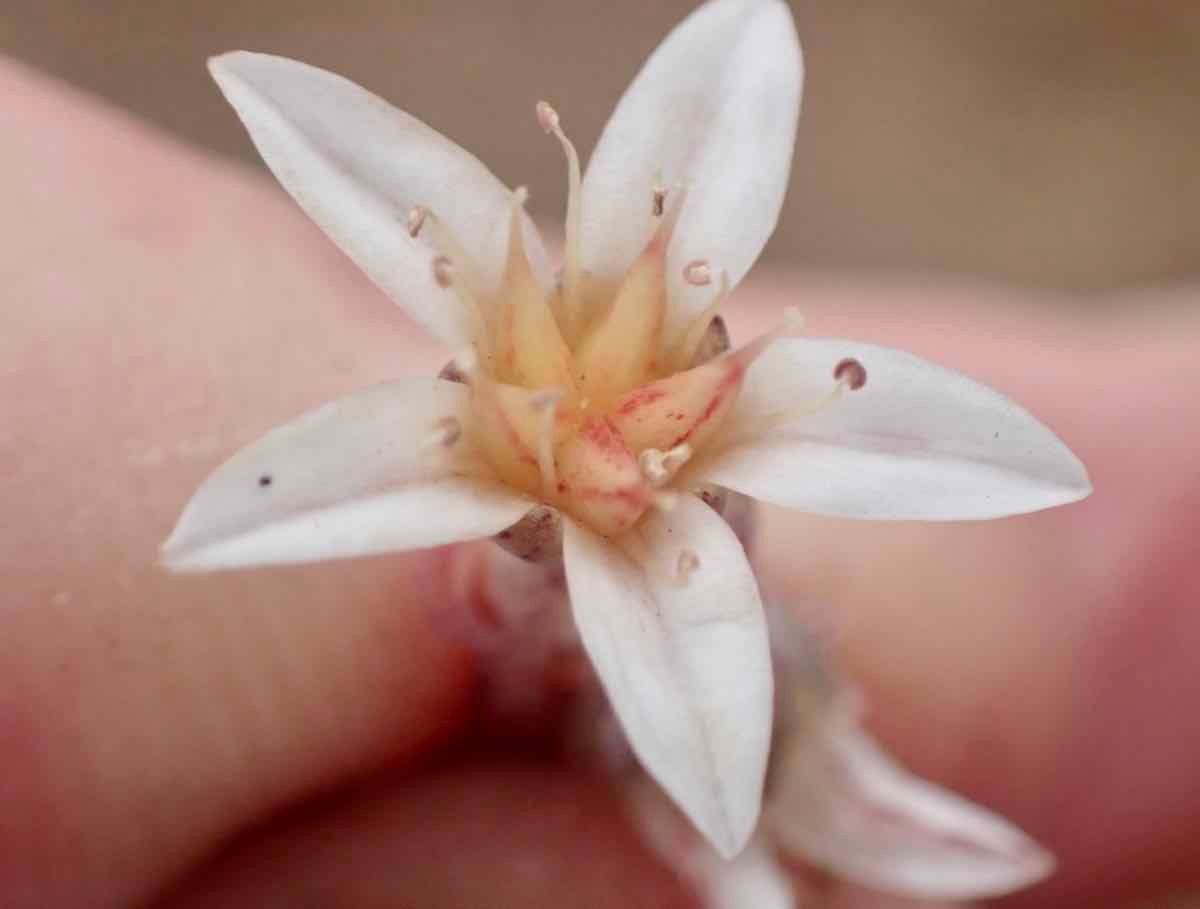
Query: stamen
x=659, y=467
x=448, y=272
x=686, y=565
x=659, y=203
x=546, y=402
x=466, y=364
x=416, y=220
x=851, y=372
x=693, y=336
x=446, y=433
x=572, y=308
x=464, y=276
x=697, y=273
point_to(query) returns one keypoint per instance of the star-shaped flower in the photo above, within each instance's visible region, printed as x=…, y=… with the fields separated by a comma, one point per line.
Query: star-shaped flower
x=592, y=395
x=837, y=802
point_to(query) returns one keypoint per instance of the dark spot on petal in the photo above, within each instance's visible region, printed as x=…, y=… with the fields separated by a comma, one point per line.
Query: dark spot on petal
x=265, y=480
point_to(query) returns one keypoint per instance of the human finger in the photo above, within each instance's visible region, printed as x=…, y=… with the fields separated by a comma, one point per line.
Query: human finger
x=161, y=308
x=1032, y=663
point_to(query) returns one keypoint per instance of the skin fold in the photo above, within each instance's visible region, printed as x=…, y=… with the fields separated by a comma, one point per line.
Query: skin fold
x=250, y=738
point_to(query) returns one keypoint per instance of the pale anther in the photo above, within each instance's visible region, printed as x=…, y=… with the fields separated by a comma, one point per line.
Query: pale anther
x=443, y=271
x=851, y=373
x=445, y=434
x=416, y=220
x=658, y=467
x=466, y=362
x=696, y=334
x=697, y=273
x=547, y=116
x=686, y=565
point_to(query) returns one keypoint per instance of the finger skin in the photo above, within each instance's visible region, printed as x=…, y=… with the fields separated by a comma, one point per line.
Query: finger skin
x=500, y=835
x=161, y=321
x=1045, y=664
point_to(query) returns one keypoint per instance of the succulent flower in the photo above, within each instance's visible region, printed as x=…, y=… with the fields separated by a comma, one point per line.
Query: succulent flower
x=838, y=803
x=595, y=396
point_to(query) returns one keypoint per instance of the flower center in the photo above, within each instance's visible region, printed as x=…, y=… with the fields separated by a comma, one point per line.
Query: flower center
x=578, y=396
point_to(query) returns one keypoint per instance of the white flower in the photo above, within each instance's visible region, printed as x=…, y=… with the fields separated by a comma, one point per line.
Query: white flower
x=580, y=395
x=837, y=801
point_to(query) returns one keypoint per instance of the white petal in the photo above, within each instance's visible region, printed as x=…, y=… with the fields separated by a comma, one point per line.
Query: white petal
x=685, y=664
x=842, y=804
x=357, y=166
x=714, y=109
x=752, y=879
x=917, y=442
x=350, y=478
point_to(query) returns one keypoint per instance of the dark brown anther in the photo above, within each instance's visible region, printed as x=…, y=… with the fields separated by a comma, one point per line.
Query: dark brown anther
x=714, y=343
x=451, y=373
x=853, y=373
x=537, y=537
x=660, y=202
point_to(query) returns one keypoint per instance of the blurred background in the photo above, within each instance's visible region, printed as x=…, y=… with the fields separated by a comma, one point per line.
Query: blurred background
x=1050, y=143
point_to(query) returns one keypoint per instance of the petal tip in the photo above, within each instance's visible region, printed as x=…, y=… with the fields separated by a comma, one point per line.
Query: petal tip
x=1083, y=480
x=221, y=66
x=1075, y=483
x=1035, y=863
x=731, y=837
x=178, y=555
x=175, y=560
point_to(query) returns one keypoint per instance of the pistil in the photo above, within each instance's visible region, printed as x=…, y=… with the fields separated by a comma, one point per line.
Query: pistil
x=530, y=350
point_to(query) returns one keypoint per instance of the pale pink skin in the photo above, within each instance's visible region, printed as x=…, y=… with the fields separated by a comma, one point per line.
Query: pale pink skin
x=167, y=735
